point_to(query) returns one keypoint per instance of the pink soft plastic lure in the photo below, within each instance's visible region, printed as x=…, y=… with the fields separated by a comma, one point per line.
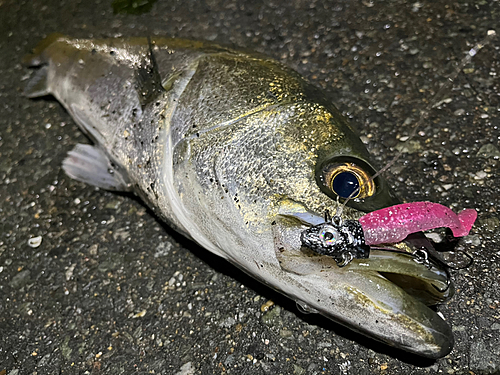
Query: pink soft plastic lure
x=395, y=223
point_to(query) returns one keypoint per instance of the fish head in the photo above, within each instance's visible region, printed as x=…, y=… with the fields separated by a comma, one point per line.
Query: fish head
x=270, y=174
x=382, y=294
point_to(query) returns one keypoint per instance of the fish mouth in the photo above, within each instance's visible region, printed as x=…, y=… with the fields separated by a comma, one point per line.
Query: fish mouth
x=386, y=296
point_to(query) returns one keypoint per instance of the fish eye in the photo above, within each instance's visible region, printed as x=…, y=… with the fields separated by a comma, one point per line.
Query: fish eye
x=348, y=180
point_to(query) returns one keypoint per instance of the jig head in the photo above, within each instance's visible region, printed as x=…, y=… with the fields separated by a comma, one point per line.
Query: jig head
x=343, y=240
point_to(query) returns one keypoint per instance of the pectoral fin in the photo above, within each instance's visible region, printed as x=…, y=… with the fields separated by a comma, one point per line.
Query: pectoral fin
x=91, y=165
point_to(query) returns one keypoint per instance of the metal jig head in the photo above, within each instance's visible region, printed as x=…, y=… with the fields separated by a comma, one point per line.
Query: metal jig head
x=343, y=240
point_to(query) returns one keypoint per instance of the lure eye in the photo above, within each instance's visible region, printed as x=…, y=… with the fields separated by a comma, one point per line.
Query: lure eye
x=329, y=235
x=348, y=180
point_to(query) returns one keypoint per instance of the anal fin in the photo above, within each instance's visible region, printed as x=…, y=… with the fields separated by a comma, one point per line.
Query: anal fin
x=91, y=165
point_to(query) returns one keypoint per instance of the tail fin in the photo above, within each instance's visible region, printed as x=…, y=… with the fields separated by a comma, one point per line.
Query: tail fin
x=38, y=85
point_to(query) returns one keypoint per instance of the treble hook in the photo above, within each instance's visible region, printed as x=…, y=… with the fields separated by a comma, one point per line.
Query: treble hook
x=422, y=257
x=448, y=282
x=467, y=255
x=347, y=257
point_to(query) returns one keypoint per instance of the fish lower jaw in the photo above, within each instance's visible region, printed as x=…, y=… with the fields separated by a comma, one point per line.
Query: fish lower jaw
x=387, y=315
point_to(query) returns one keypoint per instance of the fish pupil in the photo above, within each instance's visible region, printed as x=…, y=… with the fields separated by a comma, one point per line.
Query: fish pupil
x=344, y=184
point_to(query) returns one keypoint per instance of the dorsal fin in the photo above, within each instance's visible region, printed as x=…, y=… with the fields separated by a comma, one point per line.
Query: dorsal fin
x=148, y=78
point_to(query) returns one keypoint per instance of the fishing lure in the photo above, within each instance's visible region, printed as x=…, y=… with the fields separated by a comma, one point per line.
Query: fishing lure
x=345, y=240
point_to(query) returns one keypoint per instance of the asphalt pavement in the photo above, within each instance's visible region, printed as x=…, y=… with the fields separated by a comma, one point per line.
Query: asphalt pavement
x=92, y=283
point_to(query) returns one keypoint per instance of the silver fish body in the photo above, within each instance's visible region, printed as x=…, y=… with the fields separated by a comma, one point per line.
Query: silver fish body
x=230, y=149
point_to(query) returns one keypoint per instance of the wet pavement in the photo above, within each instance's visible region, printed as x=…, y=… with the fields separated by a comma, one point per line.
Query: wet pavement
x=92, y=283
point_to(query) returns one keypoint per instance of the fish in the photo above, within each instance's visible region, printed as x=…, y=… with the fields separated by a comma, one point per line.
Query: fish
x=242, y=155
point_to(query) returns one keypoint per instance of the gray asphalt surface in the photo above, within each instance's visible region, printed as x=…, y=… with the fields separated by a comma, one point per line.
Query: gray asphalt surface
x=111, y=290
